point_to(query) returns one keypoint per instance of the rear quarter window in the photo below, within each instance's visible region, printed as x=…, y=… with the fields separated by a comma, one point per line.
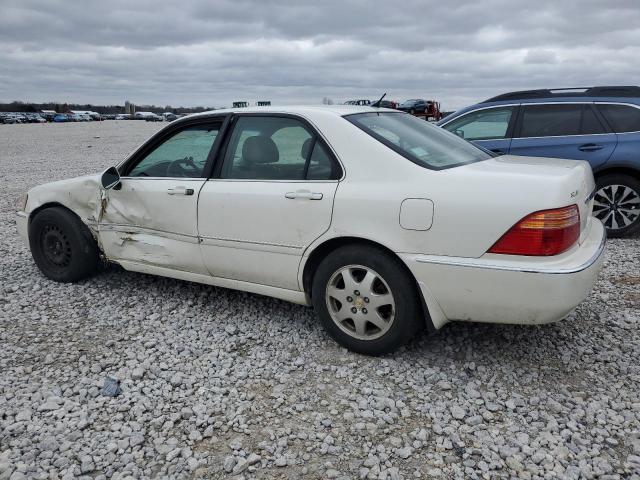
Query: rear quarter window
x=418, y=141
x=621, y=118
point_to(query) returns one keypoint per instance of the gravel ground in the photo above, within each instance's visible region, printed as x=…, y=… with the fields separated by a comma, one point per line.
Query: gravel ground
x=217, y=383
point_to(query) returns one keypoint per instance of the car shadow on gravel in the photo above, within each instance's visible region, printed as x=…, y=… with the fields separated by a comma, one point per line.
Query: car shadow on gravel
x=535, y=346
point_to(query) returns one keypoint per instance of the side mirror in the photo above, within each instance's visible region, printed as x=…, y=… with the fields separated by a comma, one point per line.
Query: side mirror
x=110, y=178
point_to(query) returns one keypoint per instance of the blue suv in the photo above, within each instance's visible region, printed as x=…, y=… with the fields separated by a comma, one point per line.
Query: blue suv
x=598, y=124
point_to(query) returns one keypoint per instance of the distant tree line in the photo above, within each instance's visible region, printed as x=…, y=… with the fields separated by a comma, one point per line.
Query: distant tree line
x=18, y=106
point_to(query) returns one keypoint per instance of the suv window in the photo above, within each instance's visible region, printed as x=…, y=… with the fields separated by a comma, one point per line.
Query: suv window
x=622, y=118
x=559, y=120
x=275, y=148
x=184, y=154
x=486, y=124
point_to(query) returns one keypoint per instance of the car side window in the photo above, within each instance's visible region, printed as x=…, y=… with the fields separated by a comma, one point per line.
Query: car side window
x=275, y=148
x=486, y=124
x=550, y=120
x=321, y=167
x=559, y=120
x=184, y=154
x=590, y=125
x=621, y=118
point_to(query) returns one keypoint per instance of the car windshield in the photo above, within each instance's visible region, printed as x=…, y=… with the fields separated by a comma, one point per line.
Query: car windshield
x=409, y=103
x=424, y=144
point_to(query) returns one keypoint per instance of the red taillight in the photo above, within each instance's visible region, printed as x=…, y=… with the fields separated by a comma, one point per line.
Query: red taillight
x=543, y=233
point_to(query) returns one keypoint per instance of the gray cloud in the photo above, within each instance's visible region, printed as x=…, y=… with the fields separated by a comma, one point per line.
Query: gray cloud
x=200, y=52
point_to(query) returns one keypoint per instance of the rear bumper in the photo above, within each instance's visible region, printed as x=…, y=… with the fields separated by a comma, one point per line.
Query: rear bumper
x=504, y=289
x=22, y=223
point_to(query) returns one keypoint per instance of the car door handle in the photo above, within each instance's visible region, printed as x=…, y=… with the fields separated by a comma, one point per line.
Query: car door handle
x=180, y=191
x=498, y=150
x=303, y=194
x=590, y=147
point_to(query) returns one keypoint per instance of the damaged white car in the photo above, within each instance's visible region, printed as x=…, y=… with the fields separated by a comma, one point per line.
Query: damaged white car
x=382, y=222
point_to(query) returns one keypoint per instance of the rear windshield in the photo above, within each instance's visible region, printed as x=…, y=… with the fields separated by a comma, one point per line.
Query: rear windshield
x=427, y=145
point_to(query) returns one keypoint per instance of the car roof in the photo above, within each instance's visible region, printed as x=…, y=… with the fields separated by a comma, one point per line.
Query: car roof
x=539, y=100
x=303, y=110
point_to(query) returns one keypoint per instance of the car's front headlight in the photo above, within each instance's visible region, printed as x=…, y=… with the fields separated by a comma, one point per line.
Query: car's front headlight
x=22, y=202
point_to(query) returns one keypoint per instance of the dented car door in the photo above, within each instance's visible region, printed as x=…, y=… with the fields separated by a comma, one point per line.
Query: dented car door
x=151, y=217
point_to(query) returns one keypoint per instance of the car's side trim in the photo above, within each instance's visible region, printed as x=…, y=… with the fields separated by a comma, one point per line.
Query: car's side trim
x=177, y=179
x=138, y=229
x=252, y=242
x=508, y=268
x=294, y=296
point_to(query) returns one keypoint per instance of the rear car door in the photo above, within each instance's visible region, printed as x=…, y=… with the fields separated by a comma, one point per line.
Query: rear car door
x=151, y=217
x=563, y=130
x=489, y=127
x=270, y=198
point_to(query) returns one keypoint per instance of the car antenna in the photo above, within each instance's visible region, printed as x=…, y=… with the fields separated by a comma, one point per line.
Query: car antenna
x=377, y=104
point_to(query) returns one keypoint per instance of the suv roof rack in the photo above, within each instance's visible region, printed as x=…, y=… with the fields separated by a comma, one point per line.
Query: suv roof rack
x=608, y=91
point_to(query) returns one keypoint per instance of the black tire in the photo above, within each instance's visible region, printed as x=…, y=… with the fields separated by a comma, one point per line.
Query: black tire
x=407, y=319
x=602, y=184
x=62, y=246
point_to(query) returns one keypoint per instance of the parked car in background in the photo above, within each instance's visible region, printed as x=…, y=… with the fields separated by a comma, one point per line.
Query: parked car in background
x=10, y=118
x=153, y=118
x=381, y=221
x=61, y=117
x=144, y=115
x=361, y=102
x=598, y=124
x=425, y=108
x=386, y=104
x=123, y=116
x=48, y=114
x=170, y=117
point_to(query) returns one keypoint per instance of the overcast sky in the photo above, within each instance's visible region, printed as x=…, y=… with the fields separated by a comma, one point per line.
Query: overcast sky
x=211, y=52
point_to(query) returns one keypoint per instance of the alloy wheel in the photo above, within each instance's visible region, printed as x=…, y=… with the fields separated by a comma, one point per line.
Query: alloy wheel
x=360, y=302
x=617, y=206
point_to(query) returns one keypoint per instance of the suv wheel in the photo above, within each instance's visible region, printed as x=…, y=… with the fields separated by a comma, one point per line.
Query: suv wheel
x=366, y=300
x=617, y=204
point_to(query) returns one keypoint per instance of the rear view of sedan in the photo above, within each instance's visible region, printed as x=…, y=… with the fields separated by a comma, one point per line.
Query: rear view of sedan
x=383, y=223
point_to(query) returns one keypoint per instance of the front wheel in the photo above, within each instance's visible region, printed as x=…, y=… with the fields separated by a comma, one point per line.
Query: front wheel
x=366, y=299
x=62, y=246
x=617, y=204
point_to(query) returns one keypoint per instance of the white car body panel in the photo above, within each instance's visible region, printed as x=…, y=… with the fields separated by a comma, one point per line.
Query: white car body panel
x=236, y=221
x=248, y=235
x=143, y=223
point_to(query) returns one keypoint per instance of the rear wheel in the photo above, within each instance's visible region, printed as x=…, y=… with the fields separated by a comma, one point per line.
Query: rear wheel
x=617, y=204
x=62, y=246
x=366, y=299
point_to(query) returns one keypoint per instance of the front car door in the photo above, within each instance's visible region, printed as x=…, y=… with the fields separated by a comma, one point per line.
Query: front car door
x=151, y=217
x=563, y=130
x=270, y=198
x=488, y=127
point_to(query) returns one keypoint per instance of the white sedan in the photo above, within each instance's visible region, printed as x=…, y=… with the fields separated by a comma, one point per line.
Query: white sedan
x=383, y=222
